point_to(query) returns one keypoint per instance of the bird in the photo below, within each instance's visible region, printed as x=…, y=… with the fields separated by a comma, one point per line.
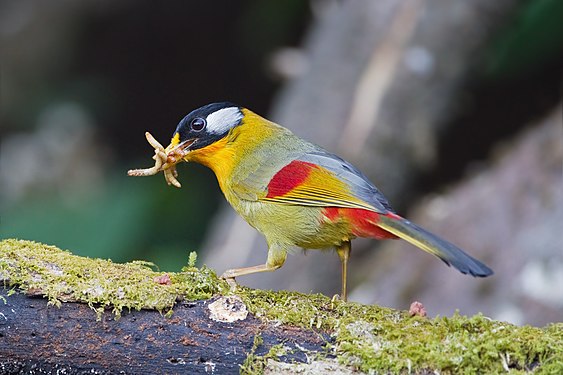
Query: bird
x=295, y=193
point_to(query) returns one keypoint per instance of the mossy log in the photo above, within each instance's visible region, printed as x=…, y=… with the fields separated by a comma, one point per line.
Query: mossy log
x=35, y=336
x=100, y=317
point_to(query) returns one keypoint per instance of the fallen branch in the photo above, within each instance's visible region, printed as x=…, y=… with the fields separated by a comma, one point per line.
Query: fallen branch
x=189, y=322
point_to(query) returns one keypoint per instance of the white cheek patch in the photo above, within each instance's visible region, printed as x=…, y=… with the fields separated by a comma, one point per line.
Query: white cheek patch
x=221, y=121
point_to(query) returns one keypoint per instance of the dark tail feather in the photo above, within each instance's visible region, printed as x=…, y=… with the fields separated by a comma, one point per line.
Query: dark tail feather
x=446, y=251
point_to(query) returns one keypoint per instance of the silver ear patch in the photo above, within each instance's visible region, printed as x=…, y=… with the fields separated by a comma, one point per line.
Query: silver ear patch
x=222, y=120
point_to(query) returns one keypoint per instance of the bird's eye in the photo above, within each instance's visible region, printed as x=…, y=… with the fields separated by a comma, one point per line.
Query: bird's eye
x=197, y=124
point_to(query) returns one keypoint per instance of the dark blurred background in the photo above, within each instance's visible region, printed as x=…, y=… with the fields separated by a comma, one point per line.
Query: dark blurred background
x=453, y=109
x=83, y=81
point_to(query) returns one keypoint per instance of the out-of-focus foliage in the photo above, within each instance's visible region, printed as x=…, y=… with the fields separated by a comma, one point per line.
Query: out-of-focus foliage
x=81, y=83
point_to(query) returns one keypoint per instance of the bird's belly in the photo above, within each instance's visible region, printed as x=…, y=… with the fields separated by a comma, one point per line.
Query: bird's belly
x=301, y=226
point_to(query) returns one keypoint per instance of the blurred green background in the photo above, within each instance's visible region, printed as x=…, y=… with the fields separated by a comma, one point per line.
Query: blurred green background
x=81, y=83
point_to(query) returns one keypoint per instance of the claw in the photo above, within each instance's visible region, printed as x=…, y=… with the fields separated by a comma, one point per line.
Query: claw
x=232, y=283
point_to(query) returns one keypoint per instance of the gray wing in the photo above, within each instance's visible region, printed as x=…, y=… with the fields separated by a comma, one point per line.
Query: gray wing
x=359, y=183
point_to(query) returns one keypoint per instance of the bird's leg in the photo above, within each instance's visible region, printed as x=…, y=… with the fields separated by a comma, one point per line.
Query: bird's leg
x=236, y=272
x=344, y=254
x=276, y=259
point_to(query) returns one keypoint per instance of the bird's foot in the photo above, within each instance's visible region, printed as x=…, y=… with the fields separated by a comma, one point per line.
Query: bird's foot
x=230, y=281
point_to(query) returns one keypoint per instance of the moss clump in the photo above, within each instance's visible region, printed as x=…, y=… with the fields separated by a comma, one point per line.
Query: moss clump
x=455, y=345
x=258, y=364
x=373, y=338
x=368, y=338
x=253, y=364
x=60, y=276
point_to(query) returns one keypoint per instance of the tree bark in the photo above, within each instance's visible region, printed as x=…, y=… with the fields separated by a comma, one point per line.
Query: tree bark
x=41, y=338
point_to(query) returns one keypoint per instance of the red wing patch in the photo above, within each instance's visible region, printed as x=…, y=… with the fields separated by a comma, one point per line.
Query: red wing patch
x=289, y=177
x=363, y=223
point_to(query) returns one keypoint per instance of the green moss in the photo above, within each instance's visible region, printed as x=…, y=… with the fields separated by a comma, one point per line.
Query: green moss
x=192, y=259
x=256, y=364
x=368, y=338
x=253, y=364
x=372, y=338
x=60, y=276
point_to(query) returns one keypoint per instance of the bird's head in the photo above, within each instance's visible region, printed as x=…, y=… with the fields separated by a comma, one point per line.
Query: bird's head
x=202, y=128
